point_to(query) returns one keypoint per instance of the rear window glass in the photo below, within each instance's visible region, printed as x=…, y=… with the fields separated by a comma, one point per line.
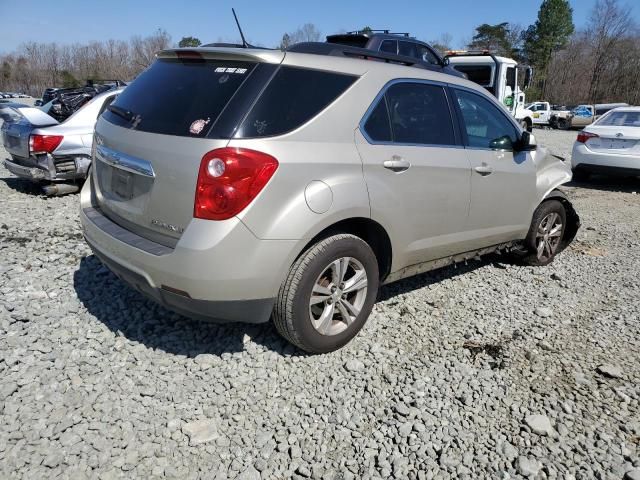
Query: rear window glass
x=621, y=119
x=178, y=97
x=476, y=73
x=292, y=98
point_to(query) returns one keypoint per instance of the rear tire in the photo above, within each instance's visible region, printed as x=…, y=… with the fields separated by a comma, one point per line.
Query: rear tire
x=328, y=294
x=545, y=237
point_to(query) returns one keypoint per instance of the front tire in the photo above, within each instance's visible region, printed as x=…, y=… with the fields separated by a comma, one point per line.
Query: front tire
x=545, y=237
x=328, y=294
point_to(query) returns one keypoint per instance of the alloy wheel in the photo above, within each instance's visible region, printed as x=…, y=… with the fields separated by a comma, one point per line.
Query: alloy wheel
x=338, y=295
x=548, y=236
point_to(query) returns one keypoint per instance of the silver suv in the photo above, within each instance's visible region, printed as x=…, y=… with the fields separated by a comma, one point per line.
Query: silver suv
x=243, y=184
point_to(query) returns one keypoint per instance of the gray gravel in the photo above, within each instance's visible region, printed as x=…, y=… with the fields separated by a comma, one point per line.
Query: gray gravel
x=454, y=376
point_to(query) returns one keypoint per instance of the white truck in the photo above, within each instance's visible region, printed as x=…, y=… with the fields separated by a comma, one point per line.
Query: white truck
x=500, y=76
x=544, y=113
x=561, y=117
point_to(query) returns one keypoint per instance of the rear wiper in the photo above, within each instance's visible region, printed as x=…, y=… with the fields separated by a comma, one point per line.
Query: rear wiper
x=121, y=112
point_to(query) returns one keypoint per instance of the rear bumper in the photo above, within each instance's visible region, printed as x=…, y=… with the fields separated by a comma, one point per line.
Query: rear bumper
x=585, y=160
x=246, y=311
x=50, y=168
x=22, y=171
x=217, y=271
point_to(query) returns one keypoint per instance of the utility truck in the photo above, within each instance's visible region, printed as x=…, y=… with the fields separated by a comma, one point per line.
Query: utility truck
x=500, y=76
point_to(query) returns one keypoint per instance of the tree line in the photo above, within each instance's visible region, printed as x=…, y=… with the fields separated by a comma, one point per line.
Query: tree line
x=36, y=66
x=596, y=64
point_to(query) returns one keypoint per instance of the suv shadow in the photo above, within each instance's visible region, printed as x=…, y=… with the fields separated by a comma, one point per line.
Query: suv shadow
x=130, y=314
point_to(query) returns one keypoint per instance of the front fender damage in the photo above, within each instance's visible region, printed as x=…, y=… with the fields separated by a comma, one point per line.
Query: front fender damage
x=573, y=219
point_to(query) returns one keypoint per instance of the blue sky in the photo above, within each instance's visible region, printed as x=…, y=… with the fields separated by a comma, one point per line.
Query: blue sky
x=68, y=21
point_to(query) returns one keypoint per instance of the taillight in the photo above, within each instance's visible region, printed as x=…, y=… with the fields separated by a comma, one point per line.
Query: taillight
x=584, y=136
x=229, y=179
x=44, y=143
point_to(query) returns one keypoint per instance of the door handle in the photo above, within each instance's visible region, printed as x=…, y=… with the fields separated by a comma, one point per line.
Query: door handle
x=396, y=164
x=484, y=169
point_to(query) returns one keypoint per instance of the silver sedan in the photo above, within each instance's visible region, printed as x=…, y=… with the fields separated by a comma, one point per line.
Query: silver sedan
x=44, y=150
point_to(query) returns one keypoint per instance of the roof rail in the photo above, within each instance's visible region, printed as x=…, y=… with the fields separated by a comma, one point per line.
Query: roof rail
x=385, y=31
x=337, y=50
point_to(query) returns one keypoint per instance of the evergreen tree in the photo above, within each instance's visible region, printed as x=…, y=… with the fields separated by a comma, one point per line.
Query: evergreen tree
x=189, y=42
x=551, y=32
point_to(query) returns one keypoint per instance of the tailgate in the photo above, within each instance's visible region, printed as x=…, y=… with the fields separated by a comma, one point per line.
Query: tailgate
x=149, y=143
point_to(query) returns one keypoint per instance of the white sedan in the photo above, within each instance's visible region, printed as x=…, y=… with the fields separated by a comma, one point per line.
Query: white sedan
x=611, y=145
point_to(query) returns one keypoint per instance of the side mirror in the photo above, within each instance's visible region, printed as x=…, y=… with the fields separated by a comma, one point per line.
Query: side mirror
x=501, y=143
x=527, y=142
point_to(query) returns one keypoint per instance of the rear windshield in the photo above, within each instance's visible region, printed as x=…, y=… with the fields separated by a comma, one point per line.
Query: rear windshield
x=293, y=97
x=476, y=73
x=620, y=119
x=179, y=97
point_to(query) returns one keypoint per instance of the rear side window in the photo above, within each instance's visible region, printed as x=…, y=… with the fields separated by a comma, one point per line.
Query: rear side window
x=179, y=97
x=293, y=97
x=415, y=50
x=377, y=126
x=389, y=46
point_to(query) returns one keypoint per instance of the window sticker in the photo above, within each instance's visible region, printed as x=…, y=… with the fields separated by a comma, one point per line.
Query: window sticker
x=197, y=126
x=238, y=71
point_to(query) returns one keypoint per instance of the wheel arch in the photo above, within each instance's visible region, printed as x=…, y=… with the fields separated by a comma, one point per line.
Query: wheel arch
x=573, y=219
x=368, y=230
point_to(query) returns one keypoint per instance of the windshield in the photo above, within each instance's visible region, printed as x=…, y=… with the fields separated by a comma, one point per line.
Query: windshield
x=620, y=119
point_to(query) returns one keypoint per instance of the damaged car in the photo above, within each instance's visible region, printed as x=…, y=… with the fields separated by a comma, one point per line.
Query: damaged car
x=291, y=184
x=45, y=150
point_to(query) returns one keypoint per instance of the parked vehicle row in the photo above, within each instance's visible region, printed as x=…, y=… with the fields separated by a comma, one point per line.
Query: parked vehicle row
x=292, y=184
x=13, y=95
x=557, y=116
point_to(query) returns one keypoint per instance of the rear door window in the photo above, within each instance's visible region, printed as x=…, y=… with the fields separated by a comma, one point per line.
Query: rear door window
x=411, y=113
x=293, y=97
x=389, y=46
x=182, y=97
x=420, y=114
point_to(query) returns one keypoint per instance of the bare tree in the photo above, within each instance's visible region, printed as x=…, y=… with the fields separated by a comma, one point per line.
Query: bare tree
x=610, y=24
x=36, y=66
x=306, y=33
x=600, y=63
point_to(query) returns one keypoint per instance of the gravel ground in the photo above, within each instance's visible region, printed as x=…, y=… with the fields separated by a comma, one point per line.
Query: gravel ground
x=486, y=370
